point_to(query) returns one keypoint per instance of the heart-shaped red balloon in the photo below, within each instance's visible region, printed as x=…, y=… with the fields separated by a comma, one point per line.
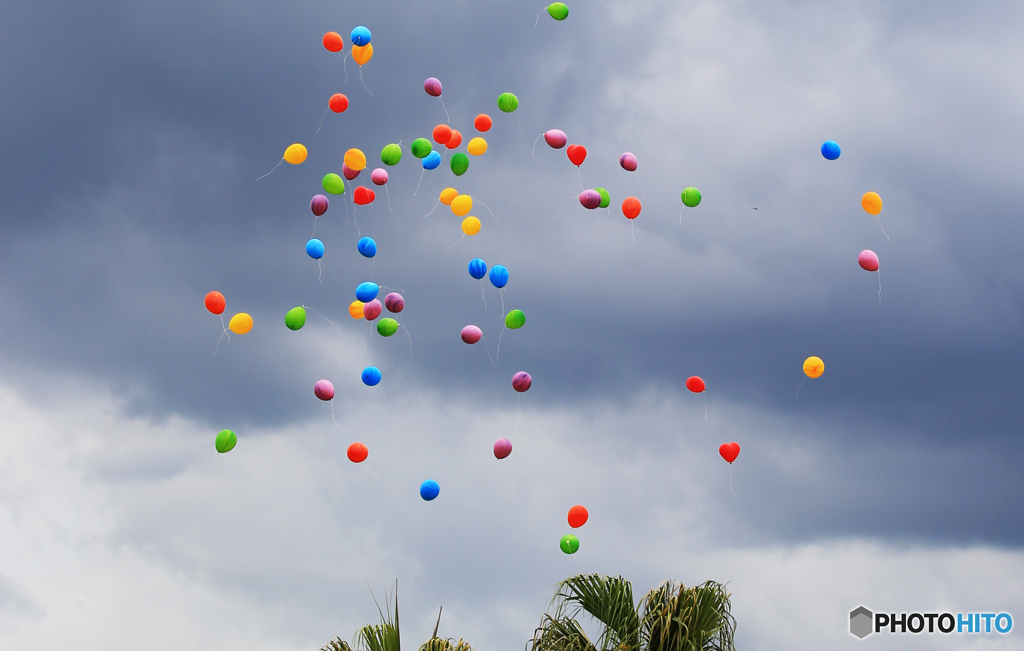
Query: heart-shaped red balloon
x=729, y=451
x=577, y=154
x=363, y=196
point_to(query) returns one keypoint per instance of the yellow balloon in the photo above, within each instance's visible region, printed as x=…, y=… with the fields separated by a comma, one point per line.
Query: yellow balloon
x=362, y=53
x=871, y=203
x=477, y=146
x=814, y=367
x=240, y=324
x=462, y=204
x=447, y=195
x=355, y=309
x=470, y=225
x=355, y=159
x=295, y=154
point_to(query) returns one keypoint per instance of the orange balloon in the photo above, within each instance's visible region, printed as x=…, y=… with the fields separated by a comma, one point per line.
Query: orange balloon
x=631, y=207
x=448, y=195
x=338, y=103
x=215, y=302
x=357, y=453
x=362, y=53
x=355, y=309
x=578, y=516
x=482, y=122
x=871, y=202
x=442, y=134
x=455, y=140
x=333, y=42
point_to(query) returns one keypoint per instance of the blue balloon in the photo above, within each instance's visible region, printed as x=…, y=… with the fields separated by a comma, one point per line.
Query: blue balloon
x=368, y=248
x=429, y=490
x=371, y=376
x=477, y=268
x=830, y=149
x=315, y=249
x=360, y=36
x=431, y=161
x=499, y=276
x=366, y=292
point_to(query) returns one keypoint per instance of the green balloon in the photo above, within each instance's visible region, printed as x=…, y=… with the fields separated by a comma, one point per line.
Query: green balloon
x=391, y=154
x=387, y=327
x=460, y=163
x=569, y=543
x=605, y=197
x=558, y=10
x=508, y=102
x=691, y=197
x=421, y=148
x=333, y=184
x=296, y=318
x=515, y=320
x=226, y=440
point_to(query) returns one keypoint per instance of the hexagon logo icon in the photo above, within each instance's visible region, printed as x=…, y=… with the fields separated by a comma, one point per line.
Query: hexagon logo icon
x=861, y=620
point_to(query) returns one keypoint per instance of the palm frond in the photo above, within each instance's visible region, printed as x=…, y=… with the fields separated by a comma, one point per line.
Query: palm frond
x=677, y=618
x=609, y=600
x=562, y=634
x=384, y=636
x=336, y=644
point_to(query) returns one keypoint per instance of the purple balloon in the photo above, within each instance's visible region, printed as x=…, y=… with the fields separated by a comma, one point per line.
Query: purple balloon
x=502, y=448
x=555, y=138
x=323, y=390
x=522, y=381
x=379, y=176
x=372, y=310
x=433, y=87
x=590, y=199
x=394, y=302
x=319, y=204
x=471, y=334
x=628, y=162
x=348, y=172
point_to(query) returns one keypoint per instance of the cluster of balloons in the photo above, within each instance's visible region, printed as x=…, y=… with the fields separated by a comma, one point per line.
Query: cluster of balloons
x=577, y=517
x=239, y=324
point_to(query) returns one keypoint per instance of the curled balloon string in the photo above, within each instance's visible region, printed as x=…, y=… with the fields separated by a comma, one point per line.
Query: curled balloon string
x=432, y=209
x=344, y=66
x=501, y=292
x=320, y=275
x=445, y=109
x=800, y=387
x=534, y=154
x=355, y=221
x=730, y=482
x=345, y=203
x=321, y=122
x=272, y=171
x=580, y=174
x=332, y=414
x=422, y=172
x=883, y=228
x=456, y=244
x=488, y=210
x=363, y=82
x=879, y=272
x=306, y=307
x=409, y=337
x=388, y=193
x=637, y=174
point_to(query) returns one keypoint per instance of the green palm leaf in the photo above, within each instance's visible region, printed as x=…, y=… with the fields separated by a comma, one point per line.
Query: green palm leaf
x=609, y=600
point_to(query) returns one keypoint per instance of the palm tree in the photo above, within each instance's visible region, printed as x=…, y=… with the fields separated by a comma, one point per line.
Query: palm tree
x=670, y=617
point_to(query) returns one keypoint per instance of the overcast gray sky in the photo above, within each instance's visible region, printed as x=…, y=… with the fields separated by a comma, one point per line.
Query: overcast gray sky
x=134, y=134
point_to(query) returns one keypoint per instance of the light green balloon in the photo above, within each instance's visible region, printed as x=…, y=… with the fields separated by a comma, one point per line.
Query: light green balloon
x=569, y=543
x=421, y=148
x=460, y=163
x=391, y=154
x=226, y=440
x=295, y=318
x=515, y=320
x=691, y=197
x=333, y=184
x=387, y=327
x=605, y=197
x=558, y=10
x=508, y=102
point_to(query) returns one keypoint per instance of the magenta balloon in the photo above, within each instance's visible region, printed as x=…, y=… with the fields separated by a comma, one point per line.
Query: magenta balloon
x=323, y=390
x=394, y=302
x=522, y=381
x=379, y=176
x=471, y=334
x=502, y=448
x=555, y=138
x=628, y=162
x=372, y=310
x=590, y=199
x=868, y=261
x=348, y=172
x=319, y=204
x=432, y=86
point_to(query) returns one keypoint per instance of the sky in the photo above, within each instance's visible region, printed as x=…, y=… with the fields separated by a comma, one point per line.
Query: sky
x=135, y=133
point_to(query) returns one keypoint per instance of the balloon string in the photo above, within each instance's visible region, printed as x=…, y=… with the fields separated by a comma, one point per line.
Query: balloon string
x=271, y=171
x=421, y=181
x=306, y=307
x=488, y=352
x=879, y=272
x=680, y=216
x=355, y=211
x=537, y=22
x=580, y=174
x=883, y=228
x=388, y=192
x=456, y=243
x=332, y=414
x=632, y=222
x=641, y=185
x=320, y=276
x=497, y=353
x=488, y=209
x=800, y=387
x=344, y=65
x=432, y=209
x=534, y=154
x=562, y=208
x=223, y=333
x=501, y=292
x=409, y=337
x=483, y=294
x=445, y=109
x=730, y=482
x=321, y=122
x=314, y=227
x=363, y=82
x=705, y=392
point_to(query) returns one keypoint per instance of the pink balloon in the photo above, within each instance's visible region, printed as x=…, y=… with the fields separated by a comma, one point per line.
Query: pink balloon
x=379, y=176
x=502, y=448
x=372, y=310
x=868, y=261
x=628, y=162
x=348, y=172
x=590, y=199
x=522, y=381
x=471, y=334
x=394, y=302
x=433, y=87
x=555, y=138
x=323, y=390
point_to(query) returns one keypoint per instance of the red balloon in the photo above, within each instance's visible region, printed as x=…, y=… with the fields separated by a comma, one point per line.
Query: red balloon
x=577, y=154
x=333, y=42
x=482, y=123
x=578, y=516
x=363, y=196
x=338, y=103
x=215, y=302
x=631, y=207
x=357, y=453
x=442, y=134
x=729, y=451
x=455, y=140
x=695, y=384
